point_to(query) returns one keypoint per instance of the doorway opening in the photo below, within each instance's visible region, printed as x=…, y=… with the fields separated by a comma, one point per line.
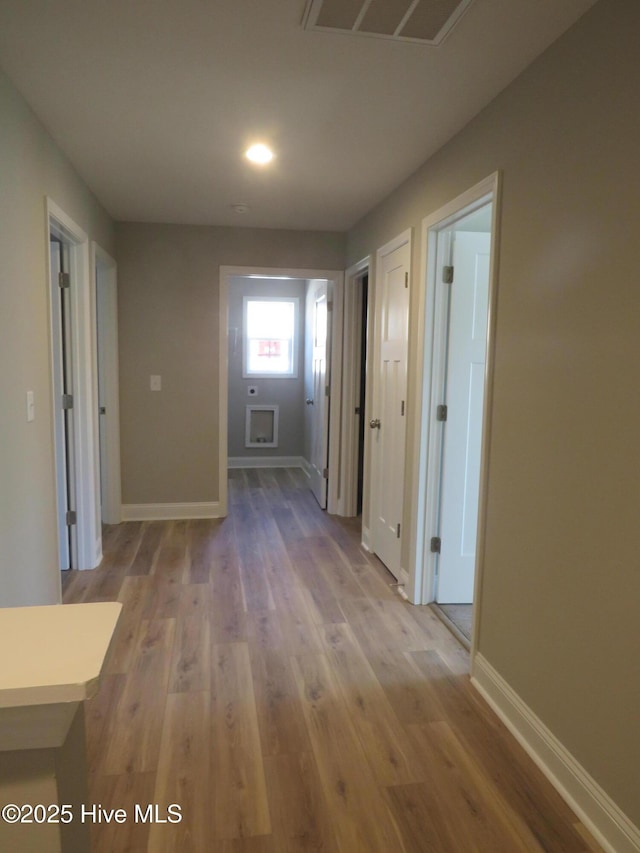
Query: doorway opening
x=362, y=390
x=452, y=445
x=464, y=249
x=355, y=396
x=294, y=366
x=74, y=393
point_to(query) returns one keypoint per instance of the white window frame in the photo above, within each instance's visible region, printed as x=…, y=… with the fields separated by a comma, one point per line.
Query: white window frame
x=293, y=374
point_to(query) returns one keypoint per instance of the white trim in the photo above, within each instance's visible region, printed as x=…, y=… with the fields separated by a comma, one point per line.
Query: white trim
x=268, y=462
x=85, y=420
x=170, y=512
x=366, y=539
x=226, y=273
x=106, y=289
x=424, y=449
x=603, y=818
x=347, y=502
x=306, y=466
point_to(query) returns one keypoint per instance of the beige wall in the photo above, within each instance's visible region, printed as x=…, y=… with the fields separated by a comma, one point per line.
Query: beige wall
x=168, y=278
x=561, y=584
x=30, y=167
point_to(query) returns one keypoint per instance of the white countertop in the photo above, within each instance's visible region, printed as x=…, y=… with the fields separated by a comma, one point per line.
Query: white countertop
x=53, y=654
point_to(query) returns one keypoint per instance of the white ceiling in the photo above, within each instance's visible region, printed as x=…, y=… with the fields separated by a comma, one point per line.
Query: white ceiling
x=155, y=100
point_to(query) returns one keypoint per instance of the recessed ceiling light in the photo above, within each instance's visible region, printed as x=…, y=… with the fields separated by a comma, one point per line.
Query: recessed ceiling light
x=259, y=153
x=240, y=208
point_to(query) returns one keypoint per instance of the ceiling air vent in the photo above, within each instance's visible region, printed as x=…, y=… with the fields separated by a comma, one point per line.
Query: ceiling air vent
x=426, y=21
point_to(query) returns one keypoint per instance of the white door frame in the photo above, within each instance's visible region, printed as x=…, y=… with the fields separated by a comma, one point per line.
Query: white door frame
x=85, y=420
x=106, y=290
x=425, y=444
x=348, y=498
x=335, y=276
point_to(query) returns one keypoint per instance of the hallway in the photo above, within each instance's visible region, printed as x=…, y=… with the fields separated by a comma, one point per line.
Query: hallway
x=267, y=678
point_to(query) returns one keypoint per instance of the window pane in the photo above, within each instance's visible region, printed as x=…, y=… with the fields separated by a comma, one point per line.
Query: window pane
x=269, y=342
x=270, y=319
x=268, y=355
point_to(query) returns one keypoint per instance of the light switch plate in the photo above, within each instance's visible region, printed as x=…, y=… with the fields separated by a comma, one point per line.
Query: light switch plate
x=156, y=383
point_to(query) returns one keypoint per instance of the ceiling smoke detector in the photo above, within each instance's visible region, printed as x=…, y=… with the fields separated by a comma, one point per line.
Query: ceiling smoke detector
x=424, y=21
x=240, y=208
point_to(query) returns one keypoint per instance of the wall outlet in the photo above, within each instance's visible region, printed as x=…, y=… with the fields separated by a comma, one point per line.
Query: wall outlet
x=156, y=383
x=252, y=391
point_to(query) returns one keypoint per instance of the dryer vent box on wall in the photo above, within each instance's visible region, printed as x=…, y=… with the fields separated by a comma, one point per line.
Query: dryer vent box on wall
x=261, y=426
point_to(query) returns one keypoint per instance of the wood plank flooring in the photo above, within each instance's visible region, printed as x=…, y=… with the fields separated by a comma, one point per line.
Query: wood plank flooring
x=266, y=678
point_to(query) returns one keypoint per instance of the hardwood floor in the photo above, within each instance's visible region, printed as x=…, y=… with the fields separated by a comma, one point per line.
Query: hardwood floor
x=266, y=678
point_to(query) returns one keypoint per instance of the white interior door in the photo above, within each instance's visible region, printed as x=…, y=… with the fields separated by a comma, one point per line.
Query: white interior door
x=63, y=390
x=108, y=394
x=462, y=436
x=319, y=402
x=101, y=345
x=387, y=426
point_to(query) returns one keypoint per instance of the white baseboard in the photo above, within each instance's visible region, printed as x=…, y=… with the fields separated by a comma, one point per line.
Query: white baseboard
x=306, y=467
x=366, y=538
x=98, y=550
x=265, y=462
x=169, y=512
x=603, y=818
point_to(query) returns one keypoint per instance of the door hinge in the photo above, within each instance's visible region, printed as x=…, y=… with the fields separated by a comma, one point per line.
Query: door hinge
x=102, y=410
x=71, y=517
x=447, y=275
x=441, y=413
x=398, y=531
x=436, y=544
x=327, y=391
x=357, y=410
x=329, y=306
x=406, y=279
x=402, y=409
x=325, y=473
x=64, y=279
x=67, y=401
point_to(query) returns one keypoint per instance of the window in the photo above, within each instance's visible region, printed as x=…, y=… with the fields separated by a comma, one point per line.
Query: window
x=270, y=336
